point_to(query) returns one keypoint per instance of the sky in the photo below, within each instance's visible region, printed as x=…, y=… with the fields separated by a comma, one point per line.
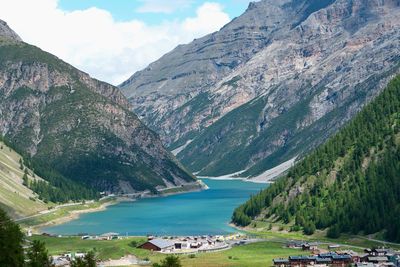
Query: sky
x=112, y=39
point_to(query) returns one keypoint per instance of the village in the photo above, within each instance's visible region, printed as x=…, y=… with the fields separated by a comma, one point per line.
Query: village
x=335, y=257
x=320, y=254
x=166, y=245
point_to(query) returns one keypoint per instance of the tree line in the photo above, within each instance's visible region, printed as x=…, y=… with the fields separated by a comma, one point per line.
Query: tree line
x=350, y=184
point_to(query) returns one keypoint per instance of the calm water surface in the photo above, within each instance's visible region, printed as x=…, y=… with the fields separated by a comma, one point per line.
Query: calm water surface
x=195, y=213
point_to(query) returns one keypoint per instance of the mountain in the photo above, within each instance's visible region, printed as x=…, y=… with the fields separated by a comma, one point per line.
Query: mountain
x=7, y=33
x=75, y=130
x=270, y=85
x=15, y=197
x=350, y=184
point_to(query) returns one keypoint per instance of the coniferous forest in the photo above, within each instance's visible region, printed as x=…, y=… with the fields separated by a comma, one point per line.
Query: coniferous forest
x=350, y=184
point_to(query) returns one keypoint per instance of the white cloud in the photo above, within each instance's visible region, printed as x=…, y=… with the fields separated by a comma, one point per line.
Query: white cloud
x=163, y=6
x=208, y=16
x=94, y=42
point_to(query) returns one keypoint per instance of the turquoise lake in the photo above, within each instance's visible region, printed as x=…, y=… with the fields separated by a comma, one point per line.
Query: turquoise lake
x=194, y=213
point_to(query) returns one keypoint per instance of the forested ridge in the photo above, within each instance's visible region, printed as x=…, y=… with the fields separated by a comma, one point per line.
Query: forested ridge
x=350, y=184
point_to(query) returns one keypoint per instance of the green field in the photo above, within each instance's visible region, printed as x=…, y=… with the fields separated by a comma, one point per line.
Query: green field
x=256, y=254
x=354, y=242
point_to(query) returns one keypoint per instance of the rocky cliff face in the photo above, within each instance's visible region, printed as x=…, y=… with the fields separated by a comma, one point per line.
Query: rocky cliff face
x=7, y=33
x=271, y=84
x=78, y=127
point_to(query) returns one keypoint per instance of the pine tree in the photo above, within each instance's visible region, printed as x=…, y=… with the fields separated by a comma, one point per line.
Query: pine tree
x=21, y=164
x=11, y=238
x=38, y=255
x=88, y=261
x=169, y=261
x=25, y=180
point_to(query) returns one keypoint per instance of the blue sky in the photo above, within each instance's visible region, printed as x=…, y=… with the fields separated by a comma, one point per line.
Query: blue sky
x=125, y=10
x=112, y=39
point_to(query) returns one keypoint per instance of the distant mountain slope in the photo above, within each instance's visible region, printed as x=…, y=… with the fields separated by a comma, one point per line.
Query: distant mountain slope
x=350, y=184
x=73, y=127
x=270, y=85
x=15, y=197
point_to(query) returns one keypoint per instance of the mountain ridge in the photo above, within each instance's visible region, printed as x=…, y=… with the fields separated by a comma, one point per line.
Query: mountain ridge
x=7, y=33
x=306, y=55
x=73, y=127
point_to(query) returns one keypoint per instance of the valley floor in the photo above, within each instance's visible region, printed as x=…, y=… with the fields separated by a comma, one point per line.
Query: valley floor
x=260, y=254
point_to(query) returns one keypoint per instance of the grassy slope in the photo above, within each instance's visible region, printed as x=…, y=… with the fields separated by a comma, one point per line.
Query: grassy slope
x=15, y=198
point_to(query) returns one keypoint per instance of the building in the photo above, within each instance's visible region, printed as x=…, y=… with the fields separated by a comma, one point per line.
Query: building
x=295, y=244
x=301, y=261
x=281, y=262
x=364, y=264
x=196, y=245
x=109, y=236
x=158, y=245
x=323, y=261
x=327, y=255
x=377, y=259
x=310, y=246
x=379, y=251
x=354, y=255
x=341, y=260
x=182, y=245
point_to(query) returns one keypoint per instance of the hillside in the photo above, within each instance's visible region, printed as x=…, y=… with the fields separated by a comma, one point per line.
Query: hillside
x=350, y=184
x=16, y=198
x=76, y=132
x=270, y=85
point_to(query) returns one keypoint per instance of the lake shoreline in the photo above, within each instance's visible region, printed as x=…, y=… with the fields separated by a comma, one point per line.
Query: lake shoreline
x=75, y=214
x=70, y=216
x=187, y=208
x=244, y=179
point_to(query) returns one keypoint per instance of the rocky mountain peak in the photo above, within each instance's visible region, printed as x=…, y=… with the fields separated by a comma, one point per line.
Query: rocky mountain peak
x=77, y=129
x=282, y=71
x=7, y=32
